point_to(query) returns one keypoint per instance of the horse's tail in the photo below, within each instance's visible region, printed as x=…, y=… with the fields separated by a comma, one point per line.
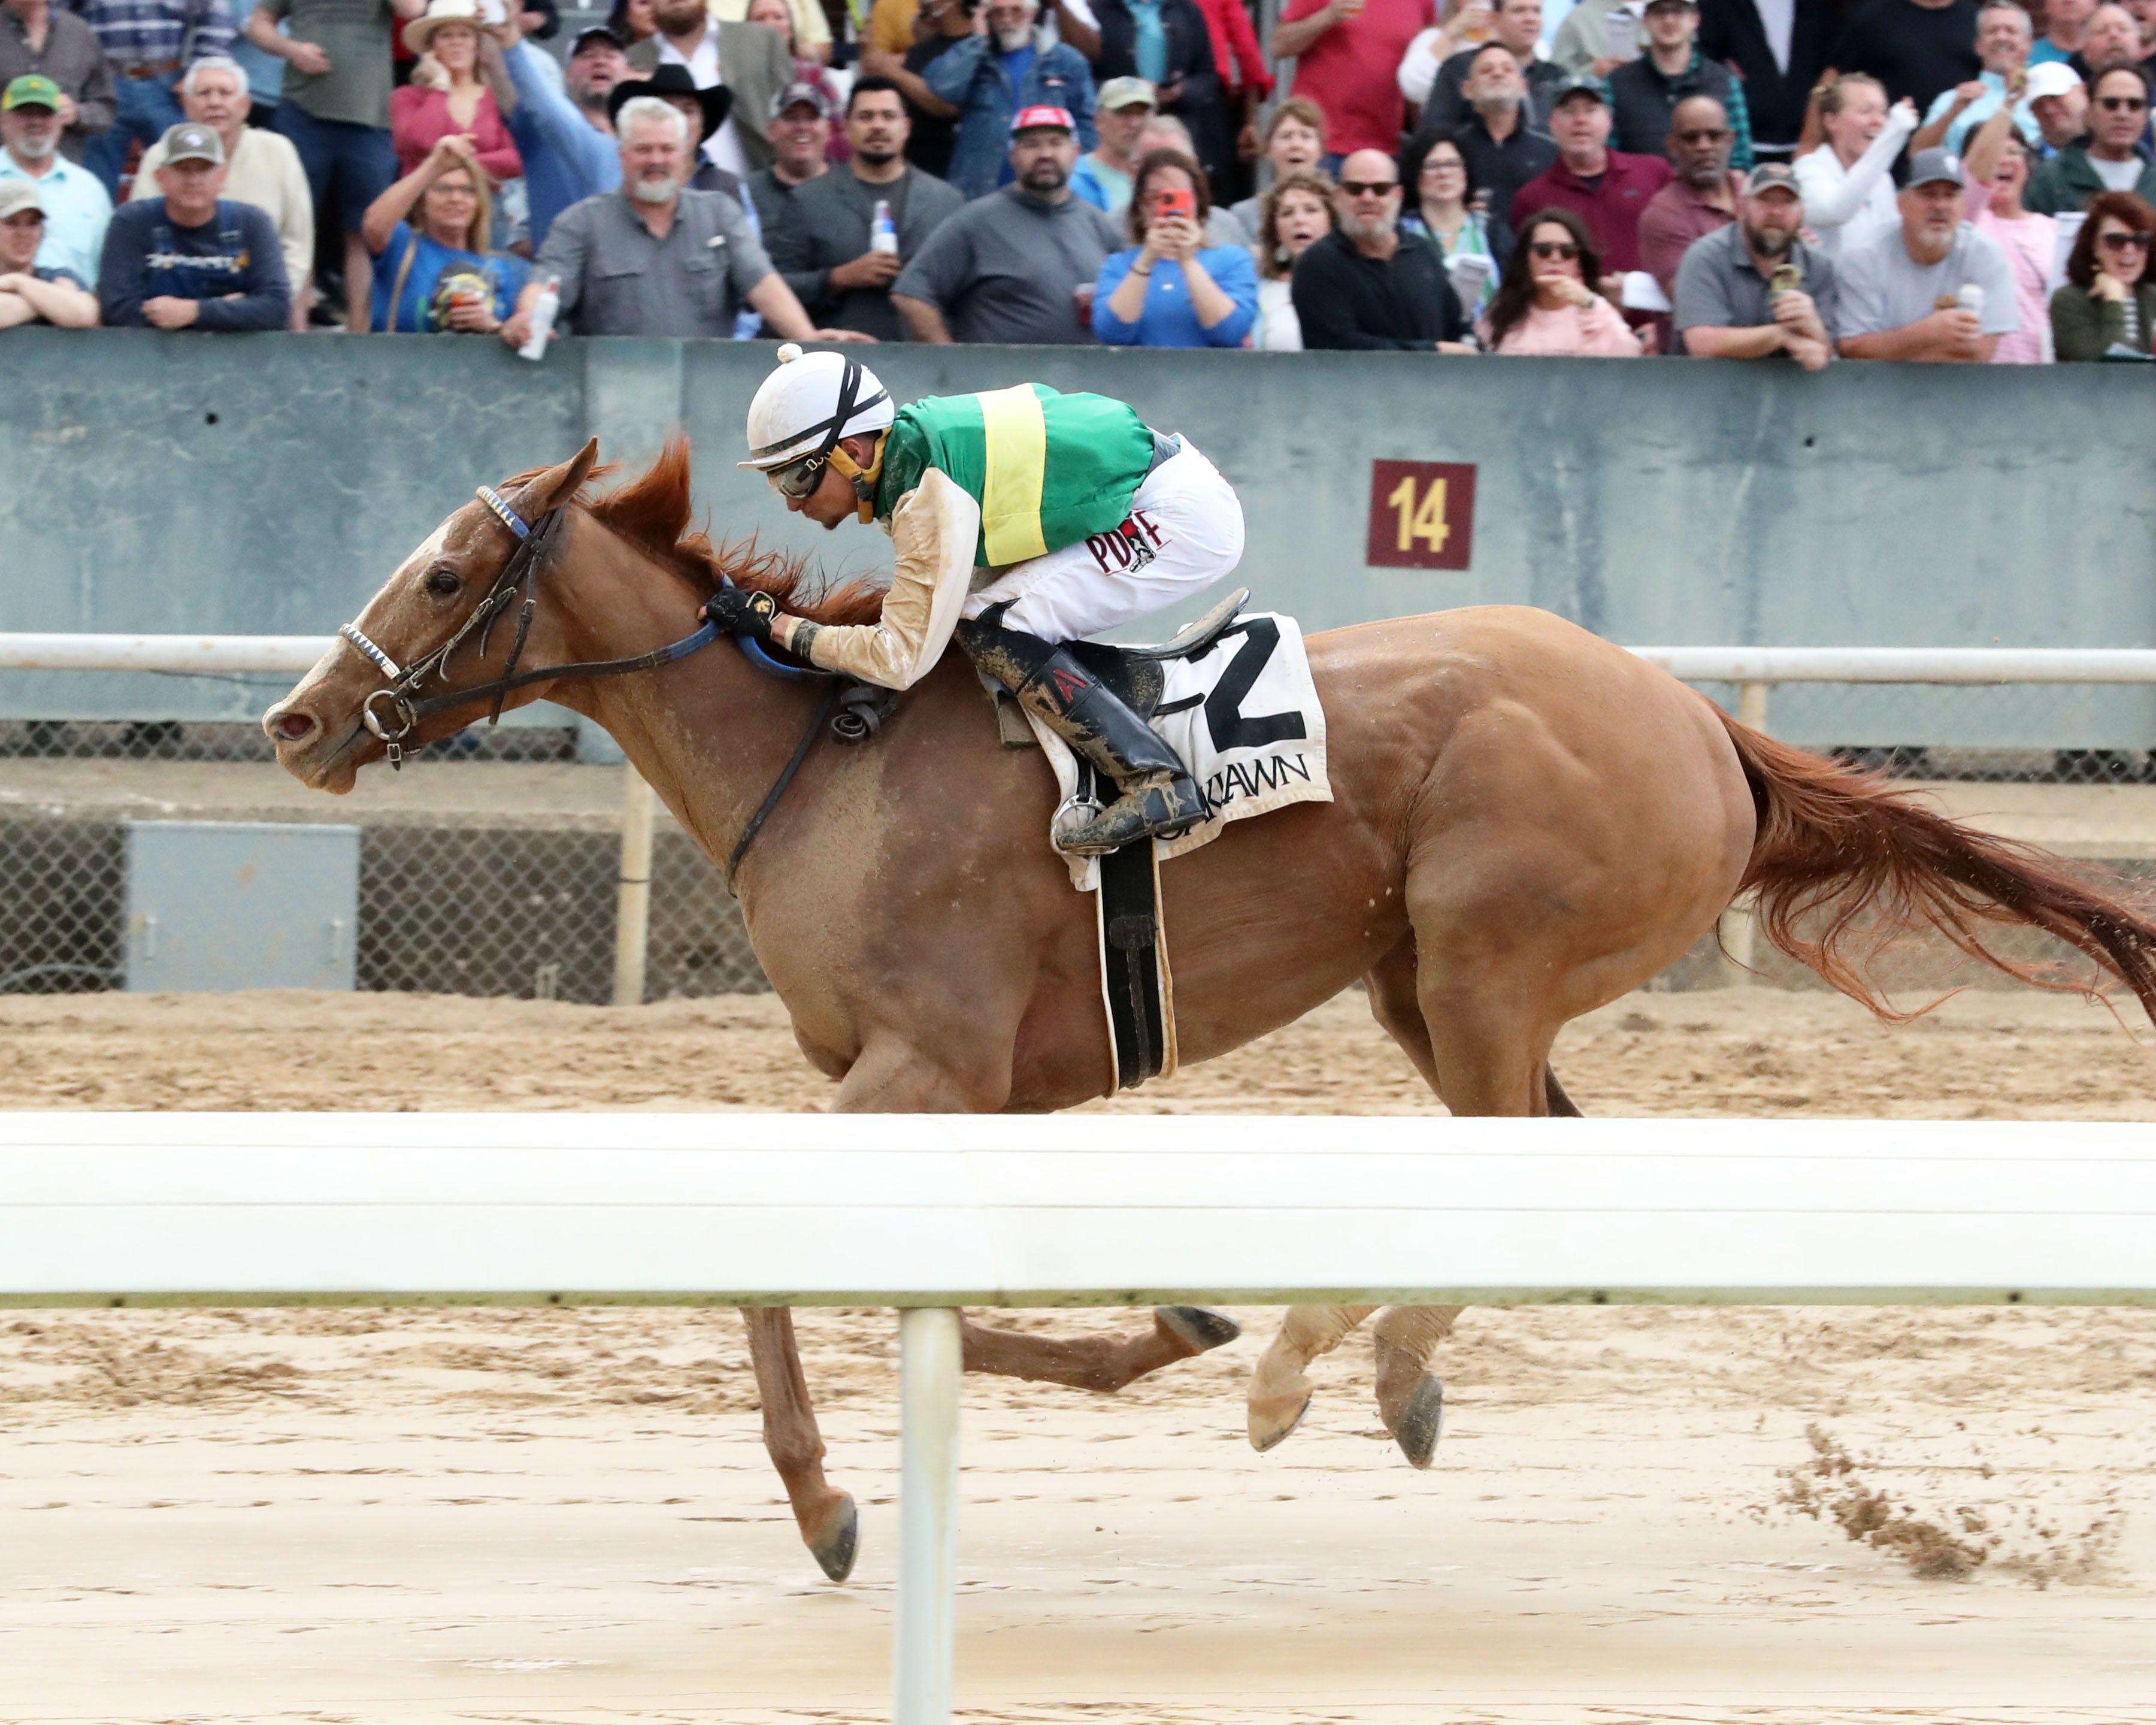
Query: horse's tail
x=1844, y=863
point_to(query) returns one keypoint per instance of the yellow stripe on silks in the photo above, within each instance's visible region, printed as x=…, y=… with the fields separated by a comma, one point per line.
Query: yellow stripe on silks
x=1017, y=468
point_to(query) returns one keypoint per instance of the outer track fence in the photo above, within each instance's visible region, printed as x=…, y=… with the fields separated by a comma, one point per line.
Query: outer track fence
x=491, y=879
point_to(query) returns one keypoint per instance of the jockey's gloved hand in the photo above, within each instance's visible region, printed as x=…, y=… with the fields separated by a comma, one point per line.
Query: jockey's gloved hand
x=740, y=612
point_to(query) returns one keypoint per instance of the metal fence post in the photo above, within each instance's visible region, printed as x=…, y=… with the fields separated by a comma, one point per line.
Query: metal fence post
x=1736, y=942
x=633, y=917
x=930, y=1371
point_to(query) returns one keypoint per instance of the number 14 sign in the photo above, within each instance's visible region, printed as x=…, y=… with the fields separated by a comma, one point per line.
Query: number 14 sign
x=1422, y=514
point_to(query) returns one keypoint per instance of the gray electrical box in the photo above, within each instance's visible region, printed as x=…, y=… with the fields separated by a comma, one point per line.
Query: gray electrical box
x=214, y=905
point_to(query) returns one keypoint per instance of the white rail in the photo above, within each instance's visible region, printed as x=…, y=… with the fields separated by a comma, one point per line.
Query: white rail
x=238, y=1209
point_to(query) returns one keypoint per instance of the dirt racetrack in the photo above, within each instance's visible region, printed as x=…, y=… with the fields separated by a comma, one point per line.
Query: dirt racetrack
x=566, y=1517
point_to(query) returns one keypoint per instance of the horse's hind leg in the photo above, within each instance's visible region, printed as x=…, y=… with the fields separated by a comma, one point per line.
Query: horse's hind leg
x=1105, y=1363
x=1280, y=1391
x=829, y=1524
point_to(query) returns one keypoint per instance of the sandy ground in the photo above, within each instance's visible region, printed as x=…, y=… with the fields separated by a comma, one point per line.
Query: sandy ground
x=566, y=1517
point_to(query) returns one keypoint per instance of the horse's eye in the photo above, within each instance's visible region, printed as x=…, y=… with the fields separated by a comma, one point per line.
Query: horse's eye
x=445, y=584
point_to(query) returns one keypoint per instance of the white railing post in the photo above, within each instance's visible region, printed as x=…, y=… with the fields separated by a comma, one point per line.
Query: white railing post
x=1737, y=921
x=633, y=914
x=930, y=1371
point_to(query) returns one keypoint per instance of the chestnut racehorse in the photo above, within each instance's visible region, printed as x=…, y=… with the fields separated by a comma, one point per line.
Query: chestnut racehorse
x=1527, y=822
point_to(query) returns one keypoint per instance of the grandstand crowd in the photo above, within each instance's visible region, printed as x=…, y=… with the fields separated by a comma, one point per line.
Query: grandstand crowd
x=1808, y=181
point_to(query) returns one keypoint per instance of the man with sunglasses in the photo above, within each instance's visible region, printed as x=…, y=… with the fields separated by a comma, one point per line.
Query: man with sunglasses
x=1021, y=520
x=1367, y=285
x=2109, y=159
x=30, y=293
x=1931, y=287
x=1701, y=199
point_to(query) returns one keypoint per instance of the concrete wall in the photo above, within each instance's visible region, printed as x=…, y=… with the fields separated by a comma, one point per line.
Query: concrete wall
x=270, y=483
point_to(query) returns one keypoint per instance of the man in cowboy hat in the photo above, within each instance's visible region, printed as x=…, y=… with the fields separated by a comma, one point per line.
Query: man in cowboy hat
x=1021, y=520
x=705, y=110
x=750, y=60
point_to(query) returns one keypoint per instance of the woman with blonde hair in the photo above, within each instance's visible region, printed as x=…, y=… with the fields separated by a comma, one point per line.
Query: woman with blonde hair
x=434, y=271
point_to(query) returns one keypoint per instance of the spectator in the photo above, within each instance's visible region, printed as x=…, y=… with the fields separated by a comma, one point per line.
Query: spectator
x=823, y=245
x=1779, y=50
x=31, y=292
x=1440, y=90
x=2109, y=159
x=1582, y=47
x=35, y=39
x=2112, y=35
x=441, y=273
x=2144, y=19
x=807, y=31
x=705, y=109
x=1545, y=304
x=1019, y=264
x=2065, y=27
x=260, y=168
x=1294, y=143
x=1644, y=93
x=1470, y=241
x=1848, y=195
x=2107, y=303
x=147, y=44
x=419, y=117
x=1207, y=296
x=750, y=60
x=991, y=76
x=191, y=259
x=1915, y=48
x=1169, y=44
x=1120, y=112
x=1296, y=213
x=1367, y=285
x=778, y=15
x=944, y=24
x=2059, y=100
x=1607, y=189
x=801, y=151
x=1894, y=285
x=1346, y=55
x=335, y=109
x=566, y=136
x=1240, y=61
x=1997, y=170
x=75, y=207
x=1503, y=152
x=631, y=22
x=892, y=27
x=1700, y=199
x=654, y=258
x=1753, y=289
x=2002, y=42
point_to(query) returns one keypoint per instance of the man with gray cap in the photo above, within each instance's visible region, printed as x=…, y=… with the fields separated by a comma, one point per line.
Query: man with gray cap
x=1931, y=287
x=1753, y=289
x=800, y=150
x=1120, y=110
x=191, y=259
x=31, y=293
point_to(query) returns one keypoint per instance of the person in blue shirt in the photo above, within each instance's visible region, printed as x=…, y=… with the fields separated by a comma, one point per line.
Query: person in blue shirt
x=1170, y=289
x=434, y=271
x=191, y=259
x=991, y=77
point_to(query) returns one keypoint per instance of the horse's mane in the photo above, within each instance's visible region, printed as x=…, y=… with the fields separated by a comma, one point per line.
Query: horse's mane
x=652, y=511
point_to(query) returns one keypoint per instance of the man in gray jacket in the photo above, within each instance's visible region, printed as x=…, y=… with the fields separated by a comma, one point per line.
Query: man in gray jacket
x=750, y=60
x=823, y=243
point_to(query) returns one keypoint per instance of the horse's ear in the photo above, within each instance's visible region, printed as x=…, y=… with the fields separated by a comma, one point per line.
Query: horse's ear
x=556, y=486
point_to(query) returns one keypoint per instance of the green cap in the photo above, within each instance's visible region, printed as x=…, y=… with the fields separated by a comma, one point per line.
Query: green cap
x=31, y=90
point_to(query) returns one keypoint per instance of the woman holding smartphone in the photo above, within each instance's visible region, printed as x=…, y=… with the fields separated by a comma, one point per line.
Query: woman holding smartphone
x=1169, y=289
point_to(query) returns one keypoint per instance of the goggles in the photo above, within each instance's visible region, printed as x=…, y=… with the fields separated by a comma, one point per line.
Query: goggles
x=797, y=479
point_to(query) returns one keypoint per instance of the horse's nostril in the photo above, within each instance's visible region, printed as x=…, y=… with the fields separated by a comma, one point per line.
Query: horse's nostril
x=296, y=727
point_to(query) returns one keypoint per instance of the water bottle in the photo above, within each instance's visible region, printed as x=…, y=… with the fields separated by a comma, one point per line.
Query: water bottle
x=883, y=232
x=544, y=311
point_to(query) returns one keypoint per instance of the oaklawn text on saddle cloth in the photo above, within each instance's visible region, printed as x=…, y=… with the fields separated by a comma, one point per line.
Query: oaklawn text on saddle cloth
x=1244, y=716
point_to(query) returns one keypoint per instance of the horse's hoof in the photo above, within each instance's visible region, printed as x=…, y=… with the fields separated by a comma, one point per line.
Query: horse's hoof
x=1272, y=1423
x=835, y=1550
x=1200, y=1329
x=1420, y=1424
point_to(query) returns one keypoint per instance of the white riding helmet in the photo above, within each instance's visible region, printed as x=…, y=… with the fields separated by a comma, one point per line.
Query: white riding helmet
x=809, y=403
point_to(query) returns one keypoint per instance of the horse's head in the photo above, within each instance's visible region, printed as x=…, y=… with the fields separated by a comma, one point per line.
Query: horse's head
x=452, y=617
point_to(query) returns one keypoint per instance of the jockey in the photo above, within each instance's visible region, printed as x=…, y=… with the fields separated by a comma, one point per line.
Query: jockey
x=1021, y=520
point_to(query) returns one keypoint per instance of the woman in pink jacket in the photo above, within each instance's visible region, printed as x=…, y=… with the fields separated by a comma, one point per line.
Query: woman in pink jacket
x=419, y=118
x=1545, y=304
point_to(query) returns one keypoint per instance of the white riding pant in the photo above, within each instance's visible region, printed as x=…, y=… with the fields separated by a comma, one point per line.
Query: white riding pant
x=1185, y=532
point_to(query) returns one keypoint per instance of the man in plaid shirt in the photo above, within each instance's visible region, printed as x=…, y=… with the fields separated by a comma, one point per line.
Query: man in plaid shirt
x=148, y=44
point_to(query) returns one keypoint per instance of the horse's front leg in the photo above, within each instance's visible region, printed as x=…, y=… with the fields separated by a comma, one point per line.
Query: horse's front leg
x=830, y=1525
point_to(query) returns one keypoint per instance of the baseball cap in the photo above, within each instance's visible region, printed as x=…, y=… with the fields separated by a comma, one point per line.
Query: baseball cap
x=188, y=142
x=1577, y=86
x=800, y=90
x=31, y=90
x=18, y=195
x=2054, y=77
x=1035, y=119
x=1772, y=176
x=1928, y=165
x=594, y=33
x=1120, y=93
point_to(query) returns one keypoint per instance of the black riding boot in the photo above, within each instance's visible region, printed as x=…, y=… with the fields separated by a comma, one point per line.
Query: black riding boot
x=1158, y=800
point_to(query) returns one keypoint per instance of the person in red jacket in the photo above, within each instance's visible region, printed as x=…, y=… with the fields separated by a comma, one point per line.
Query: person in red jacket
x=1605, y=188
x=421, y=117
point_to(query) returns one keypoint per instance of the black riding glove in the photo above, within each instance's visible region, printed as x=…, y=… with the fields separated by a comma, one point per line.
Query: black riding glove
x=740, y=612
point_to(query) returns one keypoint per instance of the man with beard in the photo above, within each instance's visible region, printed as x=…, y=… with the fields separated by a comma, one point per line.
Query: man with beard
x=73, y=199
x=1019, y=264
x=1701, y=199
x=1367, y=285
x=1008, y=67
x=825, y=245
x=1752, y=288
x=1931, y=287
x=1502, y=149
x=750, y=60
x=655, y=259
